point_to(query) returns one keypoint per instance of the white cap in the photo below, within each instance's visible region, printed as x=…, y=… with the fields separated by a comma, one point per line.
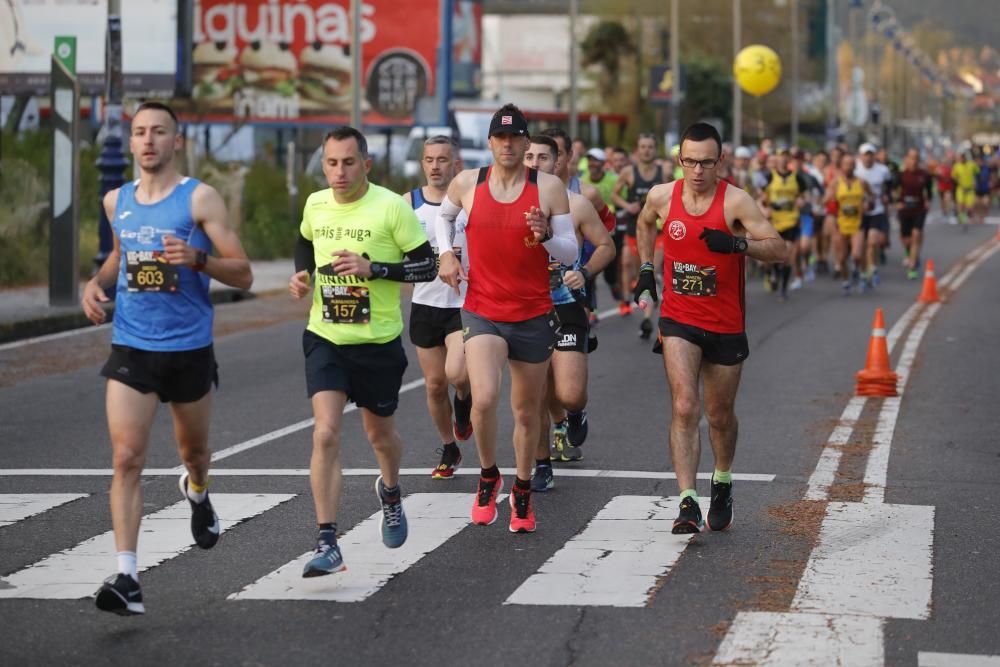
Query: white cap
x=597, y=154
x=867, y=148
x=743, y=152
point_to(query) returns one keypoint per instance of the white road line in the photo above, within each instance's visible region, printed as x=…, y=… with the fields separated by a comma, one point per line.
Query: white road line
x=433, y=519
x=362, y=472
x=77, y=572
x=766, y=638
x=931, y=659
x=55, y=336
x=829, y=459
x=17, y=507
x=614, y=561
x=963, y=276
x=870, y=561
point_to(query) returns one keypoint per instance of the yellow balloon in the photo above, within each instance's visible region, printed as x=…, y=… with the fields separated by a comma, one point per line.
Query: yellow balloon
x=757, y=69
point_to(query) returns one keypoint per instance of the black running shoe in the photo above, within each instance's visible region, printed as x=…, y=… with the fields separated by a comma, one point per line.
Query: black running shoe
x=205, y=526
x=120, y=594
x=720, y=511
x=463, y=419
x=645, y=329
x=689, y=520
x=577, y=428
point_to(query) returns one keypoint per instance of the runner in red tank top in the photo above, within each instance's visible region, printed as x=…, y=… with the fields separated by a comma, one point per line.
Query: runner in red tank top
x=709, y=228
x=517, y=218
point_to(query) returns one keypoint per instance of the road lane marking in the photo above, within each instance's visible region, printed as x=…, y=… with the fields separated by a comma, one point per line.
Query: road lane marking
x=615, y=561
x=433, y=519
x=49, y=337
x=363, y=472
x=931, y=659
x=17, y=507
x=764, y=638
x=77, y=572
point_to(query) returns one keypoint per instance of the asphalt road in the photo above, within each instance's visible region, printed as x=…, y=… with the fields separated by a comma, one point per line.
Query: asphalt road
x=451, y=606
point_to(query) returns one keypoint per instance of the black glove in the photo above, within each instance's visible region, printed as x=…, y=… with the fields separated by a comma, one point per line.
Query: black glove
x=645, y=283
x=719, y=241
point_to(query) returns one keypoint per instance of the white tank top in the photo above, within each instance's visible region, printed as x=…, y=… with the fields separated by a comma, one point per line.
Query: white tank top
x=437, y=293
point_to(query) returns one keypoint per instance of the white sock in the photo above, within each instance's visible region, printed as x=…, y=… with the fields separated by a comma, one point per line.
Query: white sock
x=195, y=496
x=127, y=564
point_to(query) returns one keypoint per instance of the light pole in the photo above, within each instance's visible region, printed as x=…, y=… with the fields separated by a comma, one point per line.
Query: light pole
x=111, y=162
x=574, y=122
x=356, y=64
x=737, y=91
x=795, y=72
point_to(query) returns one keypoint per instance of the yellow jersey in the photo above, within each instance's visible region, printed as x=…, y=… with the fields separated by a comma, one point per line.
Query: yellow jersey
x=782, y=193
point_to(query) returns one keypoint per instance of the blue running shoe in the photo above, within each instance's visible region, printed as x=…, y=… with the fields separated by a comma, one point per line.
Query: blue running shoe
x=392, y=523
x=327, y=559
x=542, y=480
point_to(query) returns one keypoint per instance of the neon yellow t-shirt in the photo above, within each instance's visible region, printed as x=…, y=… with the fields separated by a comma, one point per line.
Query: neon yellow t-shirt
x=964, y=174
x=350, y=310
x=605, y=186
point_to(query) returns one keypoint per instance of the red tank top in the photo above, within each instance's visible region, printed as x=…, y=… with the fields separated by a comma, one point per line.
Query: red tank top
x=702, y=288
x=508, y=268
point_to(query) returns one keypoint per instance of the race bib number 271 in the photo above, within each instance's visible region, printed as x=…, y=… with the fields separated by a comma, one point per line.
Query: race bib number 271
x=694, y=280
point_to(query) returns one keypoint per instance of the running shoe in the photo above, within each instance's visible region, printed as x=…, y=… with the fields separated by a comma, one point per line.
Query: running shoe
x=768, y=282
x=796, y=284
x=449, y=464
x=875, y=279
x=624, y=308
x=593, y=318
x=542, y=479
x=120, y=594
x=327, y=559
x=522, y=512
x=720, y=510
x=912, y=274
x=392, y=523
x=577, y=428
x=561, y=449
x=846, y=286
x=463, y=421
x=205, y=526
x=645, y=329
x=484, y=509
x=689, y=520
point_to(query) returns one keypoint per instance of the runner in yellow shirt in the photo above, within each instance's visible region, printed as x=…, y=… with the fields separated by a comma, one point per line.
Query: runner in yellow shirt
x=964, y=174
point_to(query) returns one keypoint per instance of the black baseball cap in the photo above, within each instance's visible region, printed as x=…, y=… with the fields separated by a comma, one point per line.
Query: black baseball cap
x=509, y=120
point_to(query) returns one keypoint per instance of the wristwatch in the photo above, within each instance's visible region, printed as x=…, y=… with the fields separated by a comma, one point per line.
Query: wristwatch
x=740, y=244
x=200, y=259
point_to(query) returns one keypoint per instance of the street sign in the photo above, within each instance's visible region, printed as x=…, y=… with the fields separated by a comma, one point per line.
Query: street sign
x=64, y=199
x=662, y=86
x=65, y=52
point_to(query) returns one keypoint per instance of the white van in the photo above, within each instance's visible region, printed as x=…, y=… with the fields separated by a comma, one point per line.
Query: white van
x=473, y=155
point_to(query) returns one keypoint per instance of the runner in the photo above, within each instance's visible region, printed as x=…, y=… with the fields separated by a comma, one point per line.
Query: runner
x=566, y=397
x=518, y=218
x=710, y=228
x=784, y=193
x=983, y=188
x=605, y=181
x=875, y=220
x=161, y=342
x=964, y=173
x=629, y=195
x=436, y=314
x=850, y=194
x=352, y=345
x=946, y=188
x=911, y=208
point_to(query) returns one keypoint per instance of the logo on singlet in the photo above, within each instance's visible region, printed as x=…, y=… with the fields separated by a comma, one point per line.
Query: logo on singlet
x=530, y=241
x=677, y=230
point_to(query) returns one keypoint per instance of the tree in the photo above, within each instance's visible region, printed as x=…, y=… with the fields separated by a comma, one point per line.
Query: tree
x=707, y=89
x=607, y=45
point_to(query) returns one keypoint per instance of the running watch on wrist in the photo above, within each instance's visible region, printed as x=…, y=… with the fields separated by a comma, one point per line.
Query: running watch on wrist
x=379, y=270
x=740, y=244
x=585, y=273
x=200, y=259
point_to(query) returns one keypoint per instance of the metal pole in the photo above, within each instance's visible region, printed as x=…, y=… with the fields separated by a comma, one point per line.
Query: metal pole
x=357, y=83
x=795, y=71
x=111, y=162
x=574, y=122
x=675, y=70
x=737, y=91
x=832, y=84
x=447, y=48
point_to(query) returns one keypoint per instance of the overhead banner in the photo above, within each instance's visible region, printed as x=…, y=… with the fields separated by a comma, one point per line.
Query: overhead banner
x=288, y=61
x=28, y=29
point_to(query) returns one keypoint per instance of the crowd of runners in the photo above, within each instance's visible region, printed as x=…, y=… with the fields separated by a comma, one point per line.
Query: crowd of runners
x=506, y=264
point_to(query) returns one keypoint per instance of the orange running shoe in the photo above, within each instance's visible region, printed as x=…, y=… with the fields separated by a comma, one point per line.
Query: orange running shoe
x=522, y=511
x=624, y=308
x=484, y=509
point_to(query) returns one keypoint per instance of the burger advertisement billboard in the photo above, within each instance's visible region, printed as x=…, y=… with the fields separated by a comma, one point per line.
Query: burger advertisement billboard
x=288, y=61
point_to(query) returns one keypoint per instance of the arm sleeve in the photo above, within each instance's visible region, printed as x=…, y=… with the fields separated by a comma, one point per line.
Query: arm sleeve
x=418, y=266
x=563, y=245
x=305, y=255
x=444, y=225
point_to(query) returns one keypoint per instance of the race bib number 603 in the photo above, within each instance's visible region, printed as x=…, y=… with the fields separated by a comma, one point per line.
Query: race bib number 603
x=148, y=271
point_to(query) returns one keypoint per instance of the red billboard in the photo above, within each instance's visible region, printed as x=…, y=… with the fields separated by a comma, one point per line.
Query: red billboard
x=289, y=60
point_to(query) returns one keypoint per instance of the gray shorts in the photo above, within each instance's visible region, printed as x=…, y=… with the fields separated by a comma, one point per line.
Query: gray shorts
x=530, y=341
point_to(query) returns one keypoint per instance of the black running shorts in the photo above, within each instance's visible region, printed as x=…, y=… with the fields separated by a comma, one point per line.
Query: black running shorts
x=370, y=374
x=910, y=221
x=573, y=328
x=716, y=348
x=176, y=377
x=430, y=325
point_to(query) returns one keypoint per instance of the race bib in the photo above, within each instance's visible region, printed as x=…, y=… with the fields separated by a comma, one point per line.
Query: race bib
x=783, y=205
x=849, y=211
x=345, y=304
x=555, y=275
x=911, y=202
x=148, y=271
x=694, y=280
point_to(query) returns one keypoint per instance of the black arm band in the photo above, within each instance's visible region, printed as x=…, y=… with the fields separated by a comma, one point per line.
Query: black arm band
x=305, y=255
x=419, y=266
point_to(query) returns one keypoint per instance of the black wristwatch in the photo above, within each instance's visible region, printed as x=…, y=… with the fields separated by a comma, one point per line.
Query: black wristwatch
x=585, y=273
x=740, y=244
x=200, y=260
x=379, y=270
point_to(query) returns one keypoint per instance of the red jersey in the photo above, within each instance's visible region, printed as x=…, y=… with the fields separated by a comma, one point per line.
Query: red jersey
x=508, y=268
x=706, y=289
x=944, y=180
x=913, y=191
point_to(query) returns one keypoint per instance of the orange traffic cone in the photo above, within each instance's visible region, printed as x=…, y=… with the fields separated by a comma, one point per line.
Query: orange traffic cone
x=929, y=293
x=877, y=378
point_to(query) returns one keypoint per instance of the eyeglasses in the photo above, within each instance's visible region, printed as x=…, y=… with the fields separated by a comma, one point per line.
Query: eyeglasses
x=691, y=163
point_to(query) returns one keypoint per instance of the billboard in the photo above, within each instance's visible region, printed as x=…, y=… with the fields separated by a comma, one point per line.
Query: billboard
x=467, y=48
x=288, y=61
x=28, y=29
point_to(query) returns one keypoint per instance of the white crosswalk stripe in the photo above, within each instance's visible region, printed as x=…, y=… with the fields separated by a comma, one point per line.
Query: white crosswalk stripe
x=17, y=507
x=77, y=572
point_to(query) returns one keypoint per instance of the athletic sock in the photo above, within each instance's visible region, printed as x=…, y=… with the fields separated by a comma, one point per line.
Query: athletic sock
x=328, y=533
x=127, y=564
x=463, y=408
x=722, y=477
x=490, y=473
x=543, y=462
x=689, y=493
x=522, y=484
x=196, y=493
x=451, y=449
x=561, y=423
x=390, y=492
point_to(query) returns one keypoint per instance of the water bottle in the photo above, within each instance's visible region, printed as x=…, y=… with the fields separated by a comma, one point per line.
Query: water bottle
x=645, y=299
